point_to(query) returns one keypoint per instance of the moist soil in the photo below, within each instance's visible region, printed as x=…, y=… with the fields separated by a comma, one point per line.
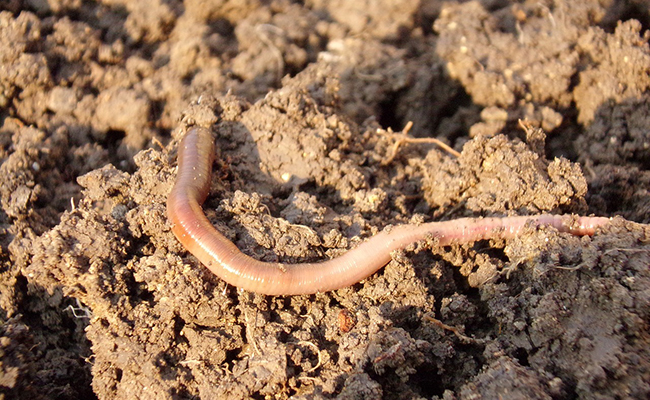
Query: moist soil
x=315, y=105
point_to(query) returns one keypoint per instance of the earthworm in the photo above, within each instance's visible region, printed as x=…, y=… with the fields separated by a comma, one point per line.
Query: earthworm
x=224, y=259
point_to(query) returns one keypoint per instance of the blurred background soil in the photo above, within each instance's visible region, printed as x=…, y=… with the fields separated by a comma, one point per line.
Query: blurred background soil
x=546, y=101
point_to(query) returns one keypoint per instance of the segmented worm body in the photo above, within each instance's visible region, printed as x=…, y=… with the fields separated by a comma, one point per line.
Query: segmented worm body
x=223, y=258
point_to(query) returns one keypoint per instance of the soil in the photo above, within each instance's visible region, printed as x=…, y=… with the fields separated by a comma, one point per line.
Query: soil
x=548, y=103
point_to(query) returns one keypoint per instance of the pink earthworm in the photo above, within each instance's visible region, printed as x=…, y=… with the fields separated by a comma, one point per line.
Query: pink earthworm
x=224, y=259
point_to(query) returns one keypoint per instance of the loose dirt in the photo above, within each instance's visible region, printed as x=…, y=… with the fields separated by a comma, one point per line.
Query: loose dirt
x=547, y=102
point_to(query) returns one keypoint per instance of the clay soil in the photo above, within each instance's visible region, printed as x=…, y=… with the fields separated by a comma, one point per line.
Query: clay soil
x=547, y=102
